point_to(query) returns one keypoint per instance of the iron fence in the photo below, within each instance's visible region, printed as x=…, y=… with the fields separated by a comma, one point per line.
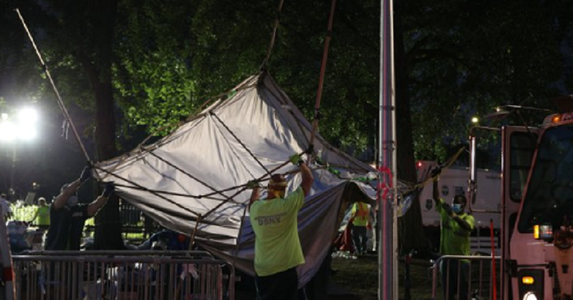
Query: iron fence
x=465, y=277
x=122, y=275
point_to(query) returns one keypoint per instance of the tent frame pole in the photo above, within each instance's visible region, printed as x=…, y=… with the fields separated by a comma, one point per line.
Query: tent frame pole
x=194, y=233
x=386, y=193
x=322, y=71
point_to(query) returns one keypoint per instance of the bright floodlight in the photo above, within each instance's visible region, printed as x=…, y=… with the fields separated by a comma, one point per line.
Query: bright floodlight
x=26, y=132
x=27, y=115
x=7, y=131
x=475, y=120
x=23, y=127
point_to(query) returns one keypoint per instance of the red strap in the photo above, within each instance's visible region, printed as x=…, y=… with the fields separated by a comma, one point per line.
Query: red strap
x=383, y=186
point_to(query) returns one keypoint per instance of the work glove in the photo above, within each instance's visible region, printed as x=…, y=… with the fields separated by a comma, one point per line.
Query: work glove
x=436, y=171
x=108, y=189
x=252, y=184
x=310, y=149
x=86, y=174
x=296, y=160
x=447, y=208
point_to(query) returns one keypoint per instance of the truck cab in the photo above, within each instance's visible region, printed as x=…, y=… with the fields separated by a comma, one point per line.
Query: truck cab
x=537, y=210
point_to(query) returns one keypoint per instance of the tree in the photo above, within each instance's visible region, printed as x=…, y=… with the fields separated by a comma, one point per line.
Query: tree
x=162, y=61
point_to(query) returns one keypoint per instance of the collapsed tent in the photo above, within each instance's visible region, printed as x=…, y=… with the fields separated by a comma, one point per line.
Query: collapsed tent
x=193, y=180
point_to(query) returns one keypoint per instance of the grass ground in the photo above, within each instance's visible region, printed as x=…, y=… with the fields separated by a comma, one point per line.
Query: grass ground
x=360, y=276
x=357, y=279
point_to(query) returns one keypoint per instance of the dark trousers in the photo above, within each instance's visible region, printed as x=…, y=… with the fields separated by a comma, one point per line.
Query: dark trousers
x=452, y=270
x=279, y=286
x=360, y=239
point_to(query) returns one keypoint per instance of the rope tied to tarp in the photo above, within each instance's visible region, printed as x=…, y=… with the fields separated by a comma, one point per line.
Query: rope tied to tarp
x=448, y=163
x=273, y=36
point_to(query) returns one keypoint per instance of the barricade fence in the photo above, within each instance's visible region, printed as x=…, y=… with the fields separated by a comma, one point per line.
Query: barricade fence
x=465, y=277
x=122, y=275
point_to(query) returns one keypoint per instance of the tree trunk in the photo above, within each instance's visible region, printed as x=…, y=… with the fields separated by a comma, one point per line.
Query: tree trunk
x=108, y=222
x=410, y=227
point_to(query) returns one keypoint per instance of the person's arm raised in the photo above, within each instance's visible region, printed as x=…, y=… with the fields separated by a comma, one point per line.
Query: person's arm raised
x=435, y=192
x=307, y=178
x=254, y=196
x=67, y=192
x=71, y=188
x=98, y=203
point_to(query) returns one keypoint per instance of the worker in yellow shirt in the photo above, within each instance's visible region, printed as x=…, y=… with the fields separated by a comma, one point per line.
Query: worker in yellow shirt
x=455, y=228
x=277, y=245
x=361, y=223
x=42, y=214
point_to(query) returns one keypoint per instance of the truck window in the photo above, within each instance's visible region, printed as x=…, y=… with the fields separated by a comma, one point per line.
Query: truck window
x=549, y=198
x=522, y=146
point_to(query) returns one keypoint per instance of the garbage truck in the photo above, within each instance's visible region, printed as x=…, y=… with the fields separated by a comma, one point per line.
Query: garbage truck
x=536, y=208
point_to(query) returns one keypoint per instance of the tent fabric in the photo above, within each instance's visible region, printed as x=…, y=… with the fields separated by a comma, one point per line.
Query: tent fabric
x=193, y=180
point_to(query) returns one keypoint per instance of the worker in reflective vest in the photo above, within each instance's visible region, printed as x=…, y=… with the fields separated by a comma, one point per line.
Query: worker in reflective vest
x=42, y=214
x=277, y=245
x=361, y=223
x=455, y=228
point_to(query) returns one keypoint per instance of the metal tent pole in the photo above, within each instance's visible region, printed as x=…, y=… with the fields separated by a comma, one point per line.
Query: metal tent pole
x=388, y=242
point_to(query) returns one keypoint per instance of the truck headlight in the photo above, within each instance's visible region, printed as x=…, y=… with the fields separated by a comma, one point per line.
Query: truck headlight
x=529, y=296
x=530, y=282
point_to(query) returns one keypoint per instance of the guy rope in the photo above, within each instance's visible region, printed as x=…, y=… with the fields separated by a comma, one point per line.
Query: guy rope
x=60, y=102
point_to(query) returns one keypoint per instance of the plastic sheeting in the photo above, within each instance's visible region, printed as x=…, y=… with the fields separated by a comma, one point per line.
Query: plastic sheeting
x=195, y=177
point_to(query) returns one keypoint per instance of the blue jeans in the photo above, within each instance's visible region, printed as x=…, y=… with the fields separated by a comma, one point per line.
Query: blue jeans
x=360, y=239
x=451, y=270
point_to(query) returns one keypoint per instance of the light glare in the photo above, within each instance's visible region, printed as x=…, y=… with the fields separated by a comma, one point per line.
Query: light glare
x=529, y=296
x=22, y=127
x=527, y=280
x=7, y=131
x=28, y=115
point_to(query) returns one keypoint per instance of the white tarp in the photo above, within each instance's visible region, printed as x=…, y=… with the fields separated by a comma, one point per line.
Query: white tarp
x=198, y=172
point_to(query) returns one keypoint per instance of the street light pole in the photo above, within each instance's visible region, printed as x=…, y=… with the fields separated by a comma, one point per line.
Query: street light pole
x=12, y=191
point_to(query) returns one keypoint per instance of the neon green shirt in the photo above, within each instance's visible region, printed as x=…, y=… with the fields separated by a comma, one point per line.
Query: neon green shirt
x=360, y=213
x=277, y=245
x=454, y=240
x=43, y=216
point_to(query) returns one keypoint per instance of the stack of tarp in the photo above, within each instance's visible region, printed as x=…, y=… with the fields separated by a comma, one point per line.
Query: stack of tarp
x=193, y=180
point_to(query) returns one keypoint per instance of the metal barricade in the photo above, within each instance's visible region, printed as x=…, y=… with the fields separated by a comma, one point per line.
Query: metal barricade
x=464, y=277
x=122, y=275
